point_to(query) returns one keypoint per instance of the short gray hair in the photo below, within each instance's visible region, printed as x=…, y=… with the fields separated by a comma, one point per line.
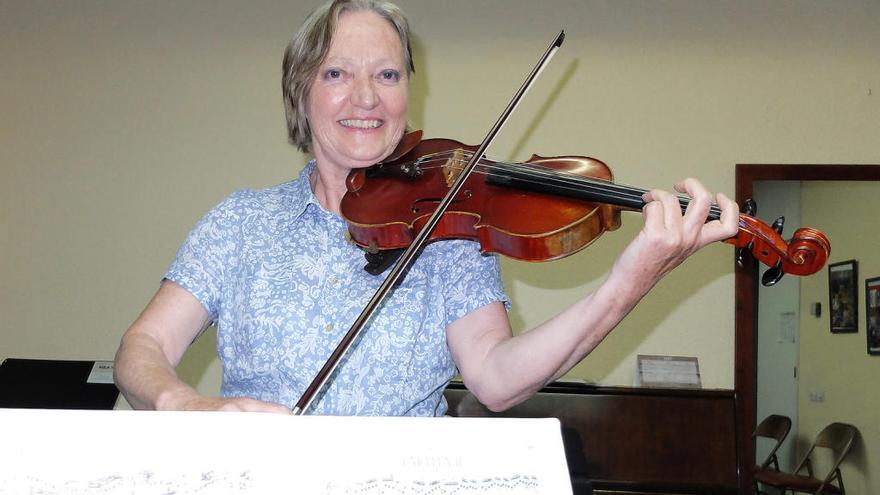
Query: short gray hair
x=308, y=49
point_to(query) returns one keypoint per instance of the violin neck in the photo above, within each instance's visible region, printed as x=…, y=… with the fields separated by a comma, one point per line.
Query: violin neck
x=549, y=181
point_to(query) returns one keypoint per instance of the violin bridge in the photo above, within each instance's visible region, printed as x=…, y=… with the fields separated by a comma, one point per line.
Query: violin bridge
x=453, y=166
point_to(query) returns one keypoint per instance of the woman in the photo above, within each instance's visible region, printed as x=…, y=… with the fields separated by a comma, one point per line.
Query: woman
x=274, y=270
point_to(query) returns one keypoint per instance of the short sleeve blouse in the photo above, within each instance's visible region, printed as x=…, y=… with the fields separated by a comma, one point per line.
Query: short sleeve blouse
x=281, y=280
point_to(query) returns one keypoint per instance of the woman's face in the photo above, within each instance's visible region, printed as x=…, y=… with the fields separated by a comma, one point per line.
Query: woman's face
x=357, y=103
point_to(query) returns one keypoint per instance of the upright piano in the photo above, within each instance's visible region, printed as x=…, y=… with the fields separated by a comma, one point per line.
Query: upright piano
x=634, y=440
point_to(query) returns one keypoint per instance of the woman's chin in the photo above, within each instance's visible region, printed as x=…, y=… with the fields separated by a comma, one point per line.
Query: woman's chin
x=368, y=158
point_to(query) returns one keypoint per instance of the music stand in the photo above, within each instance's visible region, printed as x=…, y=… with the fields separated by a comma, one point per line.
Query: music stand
x=56, y=384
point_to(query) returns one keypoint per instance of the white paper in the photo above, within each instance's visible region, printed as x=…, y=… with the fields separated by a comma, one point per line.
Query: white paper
x=788, y=325
x=109, y=452
x=102, y=372
x=669, y=371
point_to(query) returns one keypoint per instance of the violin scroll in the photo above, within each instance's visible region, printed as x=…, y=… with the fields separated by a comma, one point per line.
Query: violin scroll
x=804, y=254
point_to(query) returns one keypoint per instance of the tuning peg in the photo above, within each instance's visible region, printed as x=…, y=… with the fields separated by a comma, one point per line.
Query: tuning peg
x=772, y=275
x=777, y=225
x=744, y=252
x=749, y=207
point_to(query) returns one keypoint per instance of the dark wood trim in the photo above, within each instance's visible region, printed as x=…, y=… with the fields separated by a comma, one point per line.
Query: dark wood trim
x=746, y=290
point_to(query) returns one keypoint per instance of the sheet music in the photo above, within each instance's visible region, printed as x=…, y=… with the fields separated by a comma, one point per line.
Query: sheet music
x=668, y=371
x=111, y=452
x=102, y=372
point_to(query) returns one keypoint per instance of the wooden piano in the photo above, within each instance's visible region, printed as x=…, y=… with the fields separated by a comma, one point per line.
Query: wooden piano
x=634, y=440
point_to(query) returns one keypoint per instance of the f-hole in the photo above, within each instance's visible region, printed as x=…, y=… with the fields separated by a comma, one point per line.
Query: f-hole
x=417, y=208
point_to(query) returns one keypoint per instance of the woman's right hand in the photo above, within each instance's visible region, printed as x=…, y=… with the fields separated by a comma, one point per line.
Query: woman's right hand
x=154, y=345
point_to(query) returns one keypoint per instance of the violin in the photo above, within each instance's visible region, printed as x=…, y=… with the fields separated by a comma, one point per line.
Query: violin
x=539, y=210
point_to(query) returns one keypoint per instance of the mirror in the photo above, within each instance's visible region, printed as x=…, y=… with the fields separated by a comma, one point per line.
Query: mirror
x=746, y=289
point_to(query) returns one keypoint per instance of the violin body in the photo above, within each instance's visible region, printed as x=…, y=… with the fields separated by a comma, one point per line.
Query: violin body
x=539, y=210
x=385, y=206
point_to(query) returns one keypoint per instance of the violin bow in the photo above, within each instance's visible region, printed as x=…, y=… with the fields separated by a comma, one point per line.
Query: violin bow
x=411, y=253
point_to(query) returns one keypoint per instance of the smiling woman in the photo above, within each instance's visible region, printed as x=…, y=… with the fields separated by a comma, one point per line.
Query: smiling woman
x=274, y=269
x=357, y=103
x=345, y=77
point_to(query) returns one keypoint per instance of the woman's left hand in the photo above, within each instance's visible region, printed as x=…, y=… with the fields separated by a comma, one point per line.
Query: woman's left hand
x=669, y=237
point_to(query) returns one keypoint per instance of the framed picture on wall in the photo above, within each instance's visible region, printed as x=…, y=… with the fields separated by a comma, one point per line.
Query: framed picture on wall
x=843, y=296
x=872, y=314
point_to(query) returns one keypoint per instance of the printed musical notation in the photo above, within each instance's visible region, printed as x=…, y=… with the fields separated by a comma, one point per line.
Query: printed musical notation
x=112, y=452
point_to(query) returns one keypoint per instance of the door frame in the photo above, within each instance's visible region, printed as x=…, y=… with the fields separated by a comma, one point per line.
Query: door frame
x=746, y=301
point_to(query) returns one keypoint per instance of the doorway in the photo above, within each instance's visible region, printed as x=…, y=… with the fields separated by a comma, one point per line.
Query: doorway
x=778, y=325
x=746, y=299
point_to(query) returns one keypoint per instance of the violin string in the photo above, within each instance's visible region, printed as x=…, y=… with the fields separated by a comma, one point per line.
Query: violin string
x=601, y=190
x=600, y=186
x=561, y=180
x=567, y=180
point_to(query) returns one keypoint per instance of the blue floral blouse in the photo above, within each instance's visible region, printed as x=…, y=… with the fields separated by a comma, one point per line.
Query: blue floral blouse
x=278, y=275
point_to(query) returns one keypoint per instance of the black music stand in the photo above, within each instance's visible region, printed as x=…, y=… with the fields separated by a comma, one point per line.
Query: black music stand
x=53, y=384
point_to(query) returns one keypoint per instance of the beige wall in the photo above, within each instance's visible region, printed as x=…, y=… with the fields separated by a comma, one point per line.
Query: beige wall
x=838, y=365
x=123, y=122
